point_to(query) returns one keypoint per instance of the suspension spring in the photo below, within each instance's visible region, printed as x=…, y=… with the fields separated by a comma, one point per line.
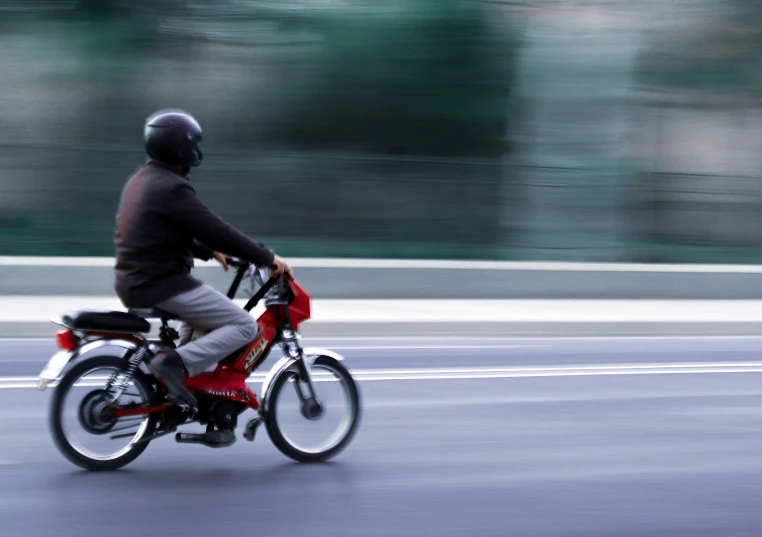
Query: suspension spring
x=130, y=373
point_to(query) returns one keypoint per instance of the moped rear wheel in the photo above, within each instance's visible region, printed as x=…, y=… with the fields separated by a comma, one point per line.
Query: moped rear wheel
x=314, y=429
x=81, y=415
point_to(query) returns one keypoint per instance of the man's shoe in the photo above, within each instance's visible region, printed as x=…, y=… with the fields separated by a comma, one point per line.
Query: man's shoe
x=171, y=370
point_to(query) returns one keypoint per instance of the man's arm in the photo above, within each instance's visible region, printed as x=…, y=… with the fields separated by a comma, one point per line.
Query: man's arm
x=183, y=206
x=201, y=251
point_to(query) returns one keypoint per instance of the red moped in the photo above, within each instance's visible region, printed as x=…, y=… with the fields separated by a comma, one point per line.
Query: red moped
x=107, y=407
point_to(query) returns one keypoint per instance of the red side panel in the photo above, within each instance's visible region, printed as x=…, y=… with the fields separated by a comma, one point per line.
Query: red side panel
x=225, y=385
x=255, y=353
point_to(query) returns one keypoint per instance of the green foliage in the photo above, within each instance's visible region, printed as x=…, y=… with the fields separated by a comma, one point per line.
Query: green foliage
x=417, y=77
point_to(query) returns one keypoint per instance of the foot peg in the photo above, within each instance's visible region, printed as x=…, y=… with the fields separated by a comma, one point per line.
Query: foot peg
x=251, y=428
x=184, y=407
x=214, y=439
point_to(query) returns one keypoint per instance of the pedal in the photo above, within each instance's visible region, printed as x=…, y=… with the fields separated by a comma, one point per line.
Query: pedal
x=218, y=439
x=213, y=439
x=251, y=428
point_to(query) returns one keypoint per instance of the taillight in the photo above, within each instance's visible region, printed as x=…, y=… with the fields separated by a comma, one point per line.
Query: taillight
x=66, y=340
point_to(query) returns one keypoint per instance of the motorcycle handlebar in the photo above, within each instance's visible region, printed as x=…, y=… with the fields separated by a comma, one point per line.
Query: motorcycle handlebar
x=238, y=263
x=242, y=267
x=254, y=300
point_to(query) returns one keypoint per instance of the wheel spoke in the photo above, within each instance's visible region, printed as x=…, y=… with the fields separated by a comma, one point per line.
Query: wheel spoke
x=128, y=419
x=308, y=427
x=128, y=426
x=88, y=424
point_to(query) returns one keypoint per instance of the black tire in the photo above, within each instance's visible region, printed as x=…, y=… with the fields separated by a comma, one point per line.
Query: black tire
x=56, y=428
x=279, y=440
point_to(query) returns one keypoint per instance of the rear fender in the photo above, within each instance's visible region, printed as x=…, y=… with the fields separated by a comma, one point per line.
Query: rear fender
x=54, y=368
x=289, y=364
x=124, y=344
x=125, y=348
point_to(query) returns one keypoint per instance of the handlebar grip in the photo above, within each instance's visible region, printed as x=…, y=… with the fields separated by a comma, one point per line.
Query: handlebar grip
x=284, y=274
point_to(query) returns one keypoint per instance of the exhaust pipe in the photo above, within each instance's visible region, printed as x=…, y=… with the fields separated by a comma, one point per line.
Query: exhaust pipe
x=213, y=439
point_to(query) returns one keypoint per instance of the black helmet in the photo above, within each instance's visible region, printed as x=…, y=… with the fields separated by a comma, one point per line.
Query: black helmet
x=172, y=137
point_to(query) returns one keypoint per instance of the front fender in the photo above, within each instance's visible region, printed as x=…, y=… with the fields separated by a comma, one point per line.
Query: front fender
x=312, y=353
x=287, y=363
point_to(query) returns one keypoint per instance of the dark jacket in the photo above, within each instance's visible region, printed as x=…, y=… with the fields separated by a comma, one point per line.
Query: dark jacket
x=160, y=227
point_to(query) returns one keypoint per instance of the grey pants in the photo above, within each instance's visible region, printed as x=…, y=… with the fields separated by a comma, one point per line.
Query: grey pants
x=229, y=327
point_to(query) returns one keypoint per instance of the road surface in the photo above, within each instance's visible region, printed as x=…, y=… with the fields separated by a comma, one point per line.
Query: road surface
x=521, y=437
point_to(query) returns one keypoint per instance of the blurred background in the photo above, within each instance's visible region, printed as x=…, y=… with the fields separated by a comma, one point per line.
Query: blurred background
x=552, y=400
x=570, y=130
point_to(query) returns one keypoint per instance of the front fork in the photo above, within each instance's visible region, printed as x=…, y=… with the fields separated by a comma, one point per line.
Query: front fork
x=305, y=376
x=311, y=406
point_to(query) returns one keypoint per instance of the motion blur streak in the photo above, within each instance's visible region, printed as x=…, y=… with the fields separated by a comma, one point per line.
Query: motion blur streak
x=594, y=130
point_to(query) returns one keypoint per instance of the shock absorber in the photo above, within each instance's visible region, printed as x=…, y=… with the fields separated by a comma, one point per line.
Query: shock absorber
x=132, y=366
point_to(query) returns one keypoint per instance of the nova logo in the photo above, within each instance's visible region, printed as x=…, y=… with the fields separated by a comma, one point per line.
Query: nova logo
x=223, y=393
x=256, y=353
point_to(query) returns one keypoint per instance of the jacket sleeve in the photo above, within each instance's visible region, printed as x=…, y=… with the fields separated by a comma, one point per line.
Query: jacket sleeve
x=184, y=208
x=201, y=251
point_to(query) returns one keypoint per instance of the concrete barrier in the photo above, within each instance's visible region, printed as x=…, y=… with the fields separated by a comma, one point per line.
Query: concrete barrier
x=364, y=298
x=410, y=279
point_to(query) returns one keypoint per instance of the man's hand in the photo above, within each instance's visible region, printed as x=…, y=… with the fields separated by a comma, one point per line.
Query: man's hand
x=279, y=267
x=222, y=259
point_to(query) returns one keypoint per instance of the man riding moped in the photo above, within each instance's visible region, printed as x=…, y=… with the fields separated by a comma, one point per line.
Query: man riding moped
x=161, y=225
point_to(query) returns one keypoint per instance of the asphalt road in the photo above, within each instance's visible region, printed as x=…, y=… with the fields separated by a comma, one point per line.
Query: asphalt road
x=615, y=438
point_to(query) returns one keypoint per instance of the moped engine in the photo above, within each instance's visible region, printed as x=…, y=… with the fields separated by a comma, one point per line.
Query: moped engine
x=225, y=415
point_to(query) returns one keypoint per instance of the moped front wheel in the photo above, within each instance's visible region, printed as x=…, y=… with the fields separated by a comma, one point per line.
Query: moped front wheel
x=314, y=427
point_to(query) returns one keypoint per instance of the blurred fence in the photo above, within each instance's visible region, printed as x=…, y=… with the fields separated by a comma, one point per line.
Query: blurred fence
x=511, y=130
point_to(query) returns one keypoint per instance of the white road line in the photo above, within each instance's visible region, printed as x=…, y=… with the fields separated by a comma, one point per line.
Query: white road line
x=539, y=341
x=544, y=339
x=306, y=262
x=740, y=366
x=20, y=308
x=592, y=367
x=18, y=379
x=429, y=347
x=362, y=347
x=480, y=376
x=365, y=375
